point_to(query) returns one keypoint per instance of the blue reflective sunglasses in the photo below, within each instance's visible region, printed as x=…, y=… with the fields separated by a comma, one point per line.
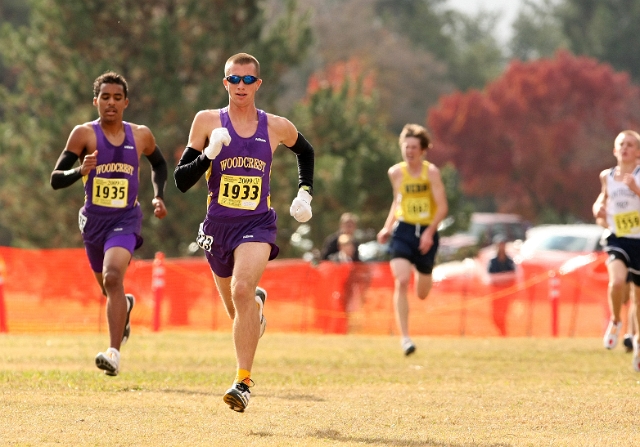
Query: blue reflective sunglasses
x=247, y=79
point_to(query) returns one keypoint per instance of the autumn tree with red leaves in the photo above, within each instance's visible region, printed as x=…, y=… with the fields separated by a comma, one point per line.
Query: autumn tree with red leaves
x=536, y=138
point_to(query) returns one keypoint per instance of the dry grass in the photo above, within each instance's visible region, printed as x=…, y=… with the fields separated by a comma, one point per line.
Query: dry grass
x=319, y=391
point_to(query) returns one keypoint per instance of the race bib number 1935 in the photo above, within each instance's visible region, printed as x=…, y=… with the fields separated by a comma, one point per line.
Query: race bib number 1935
x=110, y=192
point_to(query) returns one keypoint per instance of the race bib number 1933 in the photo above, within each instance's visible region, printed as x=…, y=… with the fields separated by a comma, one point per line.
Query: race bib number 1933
x=242, y=192
x=110, y=192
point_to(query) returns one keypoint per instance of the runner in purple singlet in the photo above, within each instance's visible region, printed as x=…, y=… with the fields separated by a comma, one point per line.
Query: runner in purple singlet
x=109, y=151
x=234, y=146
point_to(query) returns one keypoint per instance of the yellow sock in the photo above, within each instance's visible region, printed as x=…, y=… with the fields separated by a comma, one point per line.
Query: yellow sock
x=243, y=376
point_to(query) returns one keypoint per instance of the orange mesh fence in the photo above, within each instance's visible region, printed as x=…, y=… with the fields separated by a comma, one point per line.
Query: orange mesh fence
x=55, y=291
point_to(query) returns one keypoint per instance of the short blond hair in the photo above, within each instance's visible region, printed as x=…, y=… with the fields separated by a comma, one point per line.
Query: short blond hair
x=630, y=133
x=348, y=217
x=242, y=59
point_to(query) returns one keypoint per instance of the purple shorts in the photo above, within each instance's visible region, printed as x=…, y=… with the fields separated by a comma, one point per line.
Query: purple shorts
x=219, y=239
x=103, y=231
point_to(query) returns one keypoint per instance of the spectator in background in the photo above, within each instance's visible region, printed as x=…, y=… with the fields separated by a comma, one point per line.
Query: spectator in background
x=501, y=262
x=347, y=249
x=502, y=274
x=419, y=205
x=357, y=278
x=348, y=226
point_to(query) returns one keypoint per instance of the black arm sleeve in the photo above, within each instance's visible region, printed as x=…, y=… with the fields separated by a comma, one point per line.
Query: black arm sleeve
x=306, y=160
x=193, y=164
x=63, y=174
x=158, y=172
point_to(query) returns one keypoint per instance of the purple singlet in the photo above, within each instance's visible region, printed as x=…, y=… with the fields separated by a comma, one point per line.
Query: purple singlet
x=111, y=215
x=239, y=177
x=239, y=208
x=113, y=185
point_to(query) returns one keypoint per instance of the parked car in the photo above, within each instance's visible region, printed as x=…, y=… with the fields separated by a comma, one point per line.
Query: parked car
x=571, y=252
x=561, y=241
x=561, y=279
x=482, y=229
x=550, y=246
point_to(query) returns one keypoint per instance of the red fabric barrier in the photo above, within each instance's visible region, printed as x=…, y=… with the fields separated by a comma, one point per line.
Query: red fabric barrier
x=55, y=291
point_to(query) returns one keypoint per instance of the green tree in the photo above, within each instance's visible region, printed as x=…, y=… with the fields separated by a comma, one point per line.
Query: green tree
x=460, y=207
x=353, y=152
x=465, y=43
x=537, y=31
x=604, y=29
x=172, y=53
x=410, y=77
x=422, y=21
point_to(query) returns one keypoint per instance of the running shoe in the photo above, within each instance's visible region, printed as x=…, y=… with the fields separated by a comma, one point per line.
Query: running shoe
x=109, y=361
x=237, y=397
x=628, y=342
x=408, y=347
x=610, y=339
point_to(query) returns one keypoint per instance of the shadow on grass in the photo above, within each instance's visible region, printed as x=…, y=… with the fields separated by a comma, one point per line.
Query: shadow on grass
x=165, y=390
x=334, y=435
x=301, y=397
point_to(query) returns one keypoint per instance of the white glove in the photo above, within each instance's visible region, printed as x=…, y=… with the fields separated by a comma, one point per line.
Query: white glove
x=219, y=136
x=301, y=206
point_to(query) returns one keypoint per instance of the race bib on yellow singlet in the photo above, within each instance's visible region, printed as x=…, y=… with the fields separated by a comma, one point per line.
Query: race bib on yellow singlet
x=110, y=192
x=627, y=223
x=241, y=192
x=416, y=209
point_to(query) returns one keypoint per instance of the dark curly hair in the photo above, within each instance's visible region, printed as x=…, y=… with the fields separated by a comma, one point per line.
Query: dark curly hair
x=109, y=77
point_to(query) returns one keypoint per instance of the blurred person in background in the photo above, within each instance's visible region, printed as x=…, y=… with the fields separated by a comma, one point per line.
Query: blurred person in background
x=620, y=194
x=357, y=280
x=501, y=272
x=109, y=151
x=348, y=226
x=600, y=215
x=347, y=249
x=234, y=146
x=419, y=205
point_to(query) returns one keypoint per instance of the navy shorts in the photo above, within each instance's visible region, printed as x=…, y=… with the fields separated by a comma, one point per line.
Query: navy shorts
x=628, y=251
x=97, y=229
x=219, y=239
x=405, y=242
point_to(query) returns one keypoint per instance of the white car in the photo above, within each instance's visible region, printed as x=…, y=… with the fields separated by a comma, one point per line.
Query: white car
x=565, y=240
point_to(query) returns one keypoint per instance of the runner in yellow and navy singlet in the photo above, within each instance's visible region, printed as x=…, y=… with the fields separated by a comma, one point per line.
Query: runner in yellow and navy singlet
x=419, y=205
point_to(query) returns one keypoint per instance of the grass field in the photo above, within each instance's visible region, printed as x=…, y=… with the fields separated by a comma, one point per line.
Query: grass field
x=319, y=391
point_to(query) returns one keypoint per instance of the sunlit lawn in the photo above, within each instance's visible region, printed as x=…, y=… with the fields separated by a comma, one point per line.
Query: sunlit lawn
x=318, y=391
